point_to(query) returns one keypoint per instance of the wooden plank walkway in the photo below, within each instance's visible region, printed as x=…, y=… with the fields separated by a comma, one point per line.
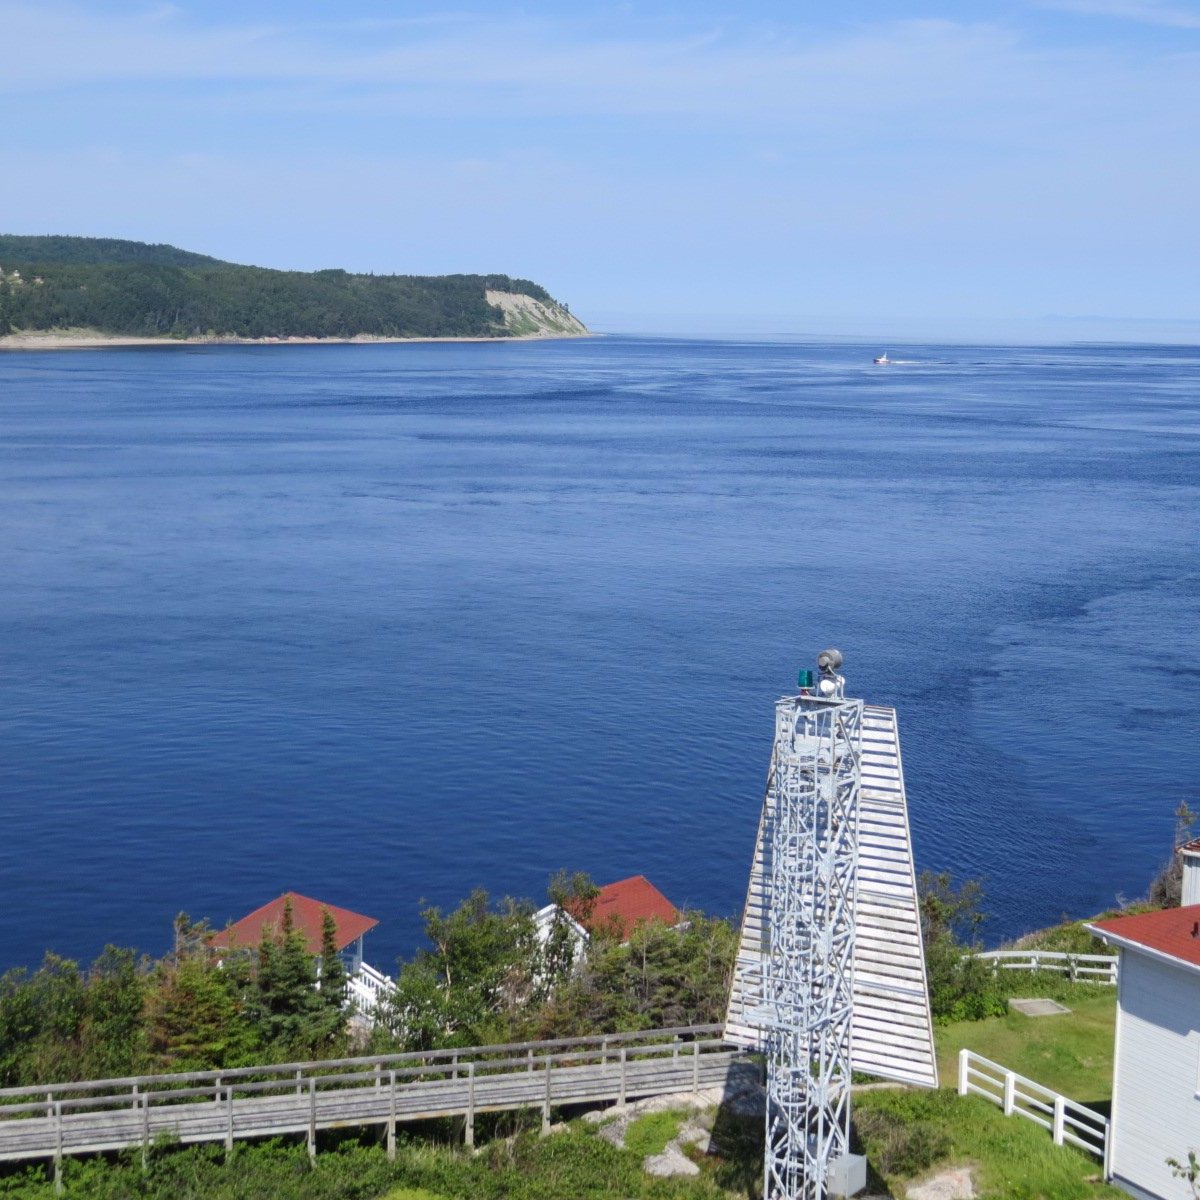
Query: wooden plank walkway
x=54, y=1121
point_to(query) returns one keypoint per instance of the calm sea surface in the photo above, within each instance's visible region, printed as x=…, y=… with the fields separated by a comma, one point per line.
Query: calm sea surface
x=382, y=623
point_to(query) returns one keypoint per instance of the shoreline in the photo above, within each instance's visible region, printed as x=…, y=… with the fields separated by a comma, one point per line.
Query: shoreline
x=68, y=340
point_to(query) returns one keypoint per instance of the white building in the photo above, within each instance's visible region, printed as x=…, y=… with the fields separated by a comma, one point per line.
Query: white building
x=1156, y=1069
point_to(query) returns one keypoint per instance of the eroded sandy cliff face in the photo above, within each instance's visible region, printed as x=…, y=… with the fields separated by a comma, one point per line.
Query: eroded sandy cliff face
x=528, y=317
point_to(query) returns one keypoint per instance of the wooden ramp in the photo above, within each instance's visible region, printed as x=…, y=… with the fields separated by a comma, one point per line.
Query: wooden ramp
x=893, y=1031
x=56, y=1120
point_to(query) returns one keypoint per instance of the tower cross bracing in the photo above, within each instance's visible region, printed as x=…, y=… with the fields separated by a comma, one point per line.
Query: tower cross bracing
x=830, y=973
x=811, y=817
x=892, y=1028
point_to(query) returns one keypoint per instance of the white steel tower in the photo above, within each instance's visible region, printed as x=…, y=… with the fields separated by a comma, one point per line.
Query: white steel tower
x=809, y=846
x=831, y=905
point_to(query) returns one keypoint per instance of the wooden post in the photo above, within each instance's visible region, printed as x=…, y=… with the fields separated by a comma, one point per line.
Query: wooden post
x=1059, y=1107
x=299, y=1082
x=312, y=1118
x=695, y=1067
x=391, y=1129
x=229, y=1119
x=145, y=1131
x=1010, y=1088
x=469, y=1128
x=964, y=1066
x=58, y=1144
x=378, y=1076
x=546, y=1102
x=622, y=1094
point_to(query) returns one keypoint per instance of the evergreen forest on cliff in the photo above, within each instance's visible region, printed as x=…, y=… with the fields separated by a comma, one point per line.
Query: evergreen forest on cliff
x=132, y=289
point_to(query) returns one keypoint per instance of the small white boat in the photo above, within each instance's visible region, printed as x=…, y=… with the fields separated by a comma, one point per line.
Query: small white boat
x=882, y=360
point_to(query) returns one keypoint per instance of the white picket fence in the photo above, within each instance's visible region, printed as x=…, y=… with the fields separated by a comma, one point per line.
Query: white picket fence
x=1067, y=1120
x=1086, y=968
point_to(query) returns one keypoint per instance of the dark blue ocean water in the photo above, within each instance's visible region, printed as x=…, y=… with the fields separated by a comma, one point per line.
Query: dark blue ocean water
x=381, y=623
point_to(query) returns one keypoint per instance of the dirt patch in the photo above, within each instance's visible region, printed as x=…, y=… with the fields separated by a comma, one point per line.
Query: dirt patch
x=954, y=1184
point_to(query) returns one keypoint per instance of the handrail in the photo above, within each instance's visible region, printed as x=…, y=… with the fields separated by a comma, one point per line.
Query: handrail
x=450, y=1058
x=94, y=1116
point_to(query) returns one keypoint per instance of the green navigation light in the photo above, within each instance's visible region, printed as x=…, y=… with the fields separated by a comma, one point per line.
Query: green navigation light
x=806, y=679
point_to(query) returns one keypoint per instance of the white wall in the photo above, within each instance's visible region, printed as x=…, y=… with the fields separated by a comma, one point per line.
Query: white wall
x=1191, y=877
x=1156, y=1111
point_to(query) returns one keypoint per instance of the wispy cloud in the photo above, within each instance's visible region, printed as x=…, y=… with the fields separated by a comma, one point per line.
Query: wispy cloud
x=576, y=64
x=740, y=155
x=1146, y=11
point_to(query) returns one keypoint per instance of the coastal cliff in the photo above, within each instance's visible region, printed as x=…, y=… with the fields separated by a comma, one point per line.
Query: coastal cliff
x=67, y=291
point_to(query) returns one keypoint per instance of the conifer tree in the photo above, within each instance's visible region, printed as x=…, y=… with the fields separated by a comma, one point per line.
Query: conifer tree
x=333, y=973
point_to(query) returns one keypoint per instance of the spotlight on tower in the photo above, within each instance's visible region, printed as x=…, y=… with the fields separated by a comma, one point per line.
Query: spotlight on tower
x=828, y=661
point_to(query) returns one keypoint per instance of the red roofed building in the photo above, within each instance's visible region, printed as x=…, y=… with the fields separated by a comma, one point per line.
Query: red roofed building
x=308, y=916
x=622, y=906
x=307, y=919
x=618, y=908
x=1156, y=1059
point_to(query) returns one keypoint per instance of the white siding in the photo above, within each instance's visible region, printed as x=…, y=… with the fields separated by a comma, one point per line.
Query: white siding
x=1156, y=1112
x=1191, y=876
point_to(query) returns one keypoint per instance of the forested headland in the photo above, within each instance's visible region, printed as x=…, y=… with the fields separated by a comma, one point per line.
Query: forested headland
x=133, y=289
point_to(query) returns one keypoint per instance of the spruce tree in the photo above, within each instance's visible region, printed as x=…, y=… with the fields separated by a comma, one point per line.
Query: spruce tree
x=333, y=972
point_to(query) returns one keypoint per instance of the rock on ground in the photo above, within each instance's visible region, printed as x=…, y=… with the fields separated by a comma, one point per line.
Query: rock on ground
x=672, y=1161
x=614, y=1131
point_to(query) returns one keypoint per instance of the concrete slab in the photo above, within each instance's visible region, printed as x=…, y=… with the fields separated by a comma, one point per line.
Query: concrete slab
x=1038, y=1008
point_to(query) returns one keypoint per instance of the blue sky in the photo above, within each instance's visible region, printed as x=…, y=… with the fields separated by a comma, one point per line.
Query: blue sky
x=656, y=164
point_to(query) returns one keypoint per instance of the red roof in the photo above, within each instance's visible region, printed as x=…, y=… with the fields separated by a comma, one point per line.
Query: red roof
x=626, y=904
x=306, y=917
x=1192, y=847
x=1172, y=931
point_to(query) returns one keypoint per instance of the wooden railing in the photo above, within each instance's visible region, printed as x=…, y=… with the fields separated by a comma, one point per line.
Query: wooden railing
x=1068, y=1121
x=366, y=987
x=1086, y=968
x=57, y=1120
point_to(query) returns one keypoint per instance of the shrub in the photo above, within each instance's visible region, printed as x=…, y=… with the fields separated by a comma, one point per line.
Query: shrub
x=899, y=1145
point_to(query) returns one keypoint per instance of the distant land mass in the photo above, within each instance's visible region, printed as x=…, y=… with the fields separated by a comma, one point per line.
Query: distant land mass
x=66, y=291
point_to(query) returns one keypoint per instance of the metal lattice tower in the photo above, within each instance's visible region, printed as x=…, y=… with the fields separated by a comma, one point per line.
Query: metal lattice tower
x=807, y=982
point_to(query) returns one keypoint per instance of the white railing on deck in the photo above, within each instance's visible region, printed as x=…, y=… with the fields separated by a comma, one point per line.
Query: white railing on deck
x=367, y=987
x=1067, y=1120
x=1084, y=968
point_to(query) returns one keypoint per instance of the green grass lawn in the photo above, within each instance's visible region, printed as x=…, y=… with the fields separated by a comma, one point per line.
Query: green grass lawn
x=910, y=1135
x=1071, y=1053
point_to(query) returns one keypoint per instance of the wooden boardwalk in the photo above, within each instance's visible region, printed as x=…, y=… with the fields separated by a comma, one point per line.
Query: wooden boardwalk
x=54, y=1121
